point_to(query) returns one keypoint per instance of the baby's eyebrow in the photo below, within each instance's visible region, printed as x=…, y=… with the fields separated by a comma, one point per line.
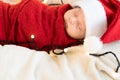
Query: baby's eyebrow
x=76, y=7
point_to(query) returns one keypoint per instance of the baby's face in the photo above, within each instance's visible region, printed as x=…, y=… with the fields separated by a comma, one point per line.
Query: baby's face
x=75, y=23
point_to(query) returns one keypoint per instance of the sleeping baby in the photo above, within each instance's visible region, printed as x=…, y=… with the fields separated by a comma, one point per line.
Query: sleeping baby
x=53, y=26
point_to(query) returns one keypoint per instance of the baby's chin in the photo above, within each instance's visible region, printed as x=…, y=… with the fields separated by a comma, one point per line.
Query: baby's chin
x=74, y=36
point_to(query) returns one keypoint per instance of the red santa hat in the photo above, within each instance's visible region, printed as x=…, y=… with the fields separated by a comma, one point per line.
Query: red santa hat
x=96, y=24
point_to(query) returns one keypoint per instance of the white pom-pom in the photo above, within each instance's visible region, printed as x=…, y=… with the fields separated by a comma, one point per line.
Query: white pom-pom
x=92, y=44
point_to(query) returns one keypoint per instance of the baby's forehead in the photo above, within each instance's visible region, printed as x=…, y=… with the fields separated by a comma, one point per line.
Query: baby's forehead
x=76, y=10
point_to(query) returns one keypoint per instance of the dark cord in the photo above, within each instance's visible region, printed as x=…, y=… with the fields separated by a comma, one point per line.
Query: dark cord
x=62, y=2
x=3, y=42
x=58, y=50
x=62, y=50
x=98, y=55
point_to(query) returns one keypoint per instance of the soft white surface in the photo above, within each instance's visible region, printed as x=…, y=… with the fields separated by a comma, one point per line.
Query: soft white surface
x=19, y=63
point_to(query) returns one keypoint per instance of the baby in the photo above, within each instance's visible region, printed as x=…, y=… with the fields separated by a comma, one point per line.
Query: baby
x=50, y=26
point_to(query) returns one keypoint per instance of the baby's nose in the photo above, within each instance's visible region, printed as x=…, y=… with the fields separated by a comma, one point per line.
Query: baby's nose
x=73, y=20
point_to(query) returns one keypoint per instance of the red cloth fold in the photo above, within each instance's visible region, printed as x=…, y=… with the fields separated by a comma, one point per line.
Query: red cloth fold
x=112, y=8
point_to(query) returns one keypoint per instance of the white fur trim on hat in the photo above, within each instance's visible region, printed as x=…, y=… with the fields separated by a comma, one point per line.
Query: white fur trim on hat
x=95, y=17
x=92, y=44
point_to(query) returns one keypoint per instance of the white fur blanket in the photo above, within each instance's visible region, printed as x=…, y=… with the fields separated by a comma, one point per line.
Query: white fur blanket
x=20, y=63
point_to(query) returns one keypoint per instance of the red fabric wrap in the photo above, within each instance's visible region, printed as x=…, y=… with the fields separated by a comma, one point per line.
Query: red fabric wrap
x=18, y=22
